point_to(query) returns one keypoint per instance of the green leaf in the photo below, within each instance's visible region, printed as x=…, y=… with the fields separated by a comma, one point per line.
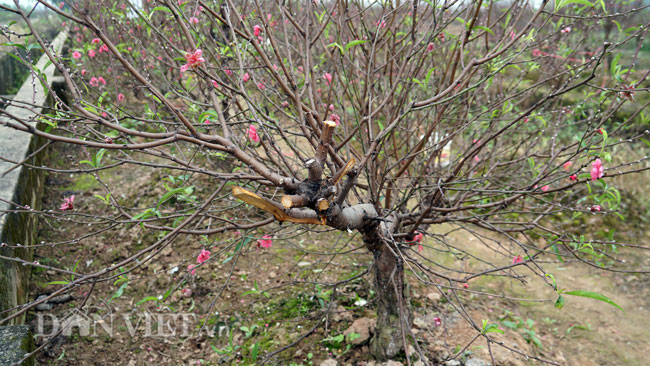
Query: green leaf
x=356, y=42
x=484, y=28
x=58, y=283
x=169, y=195
x=146, y=299
x=562, y=3
x=337, y=46
x=559, y=303
x=595, y=296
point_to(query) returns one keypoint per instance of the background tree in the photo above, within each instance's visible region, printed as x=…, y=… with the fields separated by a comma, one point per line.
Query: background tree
x=402, y=121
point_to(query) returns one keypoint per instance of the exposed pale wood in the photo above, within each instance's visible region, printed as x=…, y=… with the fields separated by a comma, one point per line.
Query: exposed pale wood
x=293, y=200
x=341, y=173
x=272, y=207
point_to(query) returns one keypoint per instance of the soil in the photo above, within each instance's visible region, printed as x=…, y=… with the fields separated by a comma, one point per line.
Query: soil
x=270, y=298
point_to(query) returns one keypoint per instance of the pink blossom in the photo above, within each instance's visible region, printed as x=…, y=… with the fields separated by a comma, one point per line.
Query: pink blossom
x=203, y=256
x=61, y=5
x=252, y=134
x=566, y=30
x=266, y=242
x=95, y=41
x=476, y=158
x=129, y=49
x=68, y=203
x=437, y=322
x=108, y=140
x=545, y=188
x=194, y=20
x=284, y=104
x=418, y=237
x=187, y=292
x=597, y=169
x=228, y=72
x=101, y=80
x=430, y=47
x=94, y=82
x=76, y=55
x=512, y=35
x=246, y=77
x=335, y=118
x=328, y=78
x=537, y=52
x=567, y=165
x=91, y=53
x=465, y=285
x=573, y=177
x=194, y=60
x=83, y=72
x=191, y=268
x=257, y=30
x=207, y=121
x=595, y=208
x=517, y=259
x=214, y=83
x=261, y=86
x=120, y=97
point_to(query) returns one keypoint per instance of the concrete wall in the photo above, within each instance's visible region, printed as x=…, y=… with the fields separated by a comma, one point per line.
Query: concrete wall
x=22, y=186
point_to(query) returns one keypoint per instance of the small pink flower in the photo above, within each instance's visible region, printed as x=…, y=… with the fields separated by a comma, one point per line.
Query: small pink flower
x=214, y=83
x=228, y=72
x=76, y=55
x=335, y=118
x=83, y=72
x=567, y=165
x=129, y=49
x=68, y=203
x=252, y=134
x=120, y=97
x=512, y=35
x=418, y=237
x=95, y=41
x=261, y=86
x=207, y=121
x=266, y=242
x=600, y=131
x=246, y=77
x=257, y=30
x=91, y=53
x=108, y=140
x=194, y=20
x=573, y=177
x=101, y=80
x=300, y=69
x=284, y=104
x=187, y=292
x=437, y=322
x=566, y=30
x=328, y=78
x=61, y=5
x=537, y=52
x=193, y=59
x=476, y=158
x=103, y=48
x=191, y=268
x=545, y=188
x=465, y=285
x=94, y=82
x=517, y=259
x=595, y=208
x=203, y=256
x=430, y=47
x=597, y=169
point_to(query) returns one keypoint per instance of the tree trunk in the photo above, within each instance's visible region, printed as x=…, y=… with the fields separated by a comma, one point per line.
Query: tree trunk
x=392, y=306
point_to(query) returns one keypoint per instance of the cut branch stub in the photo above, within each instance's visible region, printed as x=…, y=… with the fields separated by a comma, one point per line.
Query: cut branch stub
x=294, y=200
x=337, y=177
x=294, y=215
x=315, y=166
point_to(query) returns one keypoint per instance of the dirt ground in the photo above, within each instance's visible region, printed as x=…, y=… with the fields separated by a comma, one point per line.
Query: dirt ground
x=243, y=305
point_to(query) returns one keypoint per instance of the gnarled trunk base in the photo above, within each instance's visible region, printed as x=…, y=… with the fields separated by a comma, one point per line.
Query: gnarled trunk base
x=392, y=306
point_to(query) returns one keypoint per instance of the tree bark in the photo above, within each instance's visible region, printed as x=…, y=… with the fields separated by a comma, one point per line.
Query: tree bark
x=393, y=315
